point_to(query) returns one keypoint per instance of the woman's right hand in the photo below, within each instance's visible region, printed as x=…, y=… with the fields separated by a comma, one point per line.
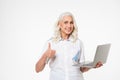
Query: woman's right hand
x=50, y=52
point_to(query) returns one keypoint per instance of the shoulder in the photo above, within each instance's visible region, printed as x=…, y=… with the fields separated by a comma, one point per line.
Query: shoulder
x=79, y=41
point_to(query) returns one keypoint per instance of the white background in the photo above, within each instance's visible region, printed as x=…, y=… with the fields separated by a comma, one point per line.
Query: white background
x=25, y=25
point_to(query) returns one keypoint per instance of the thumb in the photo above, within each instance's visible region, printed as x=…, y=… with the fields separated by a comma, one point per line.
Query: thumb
x=49, y=45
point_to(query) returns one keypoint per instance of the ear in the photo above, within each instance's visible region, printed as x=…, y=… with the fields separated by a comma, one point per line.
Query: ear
x=59, y=24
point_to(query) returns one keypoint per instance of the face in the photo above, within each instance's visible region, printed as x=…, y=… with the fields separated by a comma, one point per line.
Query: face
x=66, y=25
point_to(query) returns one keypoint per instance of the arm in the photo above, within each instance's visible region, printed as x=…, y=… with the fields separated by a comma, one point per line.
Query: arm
x=49, y=53
x=41, y=63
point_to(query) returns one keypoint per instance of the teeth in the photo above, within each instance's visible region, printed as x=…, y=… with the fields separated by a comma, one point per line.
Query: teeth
x=68, y=29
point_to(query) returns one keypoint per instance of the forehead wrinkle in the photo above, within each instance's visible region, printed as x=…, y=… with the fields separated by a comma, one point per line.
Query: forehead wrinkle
x=67, y=18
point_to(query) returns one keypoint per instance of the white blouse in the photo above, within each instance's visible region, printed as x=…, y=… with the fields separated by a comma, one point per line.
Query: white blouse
x=67, y=54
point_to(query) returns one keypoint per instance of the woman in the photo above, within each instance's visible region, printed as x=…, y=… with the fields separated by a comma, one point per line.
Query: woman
x=64, y=50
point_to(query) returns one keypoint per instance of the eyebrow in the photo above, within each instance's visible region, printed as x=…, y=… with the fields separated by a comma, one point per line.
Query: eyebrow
x=67, y=21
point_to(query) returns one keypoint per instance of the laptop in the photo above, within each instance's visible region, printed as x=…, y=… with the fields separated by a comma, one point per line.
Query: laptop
x=101, y=54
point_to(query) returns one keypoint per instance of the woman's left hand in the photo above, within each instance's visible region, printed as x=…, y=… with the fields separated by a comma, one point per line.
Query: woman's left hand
x=99, y=64
x=84, y=69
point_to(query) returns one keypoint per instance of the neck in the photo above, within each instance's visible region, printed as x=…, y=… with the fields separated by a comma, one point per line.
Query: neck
x=64, y=36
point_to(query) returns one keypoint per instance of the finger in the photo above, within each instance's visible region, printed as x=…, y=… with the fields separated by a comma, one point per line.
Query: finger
x=53, y=51
x=98, y=65
x=49, y=45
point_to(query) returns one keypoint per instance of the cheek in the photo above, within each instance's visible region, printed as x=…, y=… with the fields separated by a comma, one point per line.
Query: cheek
x=73, y=28
x=62, y=27
x=72, y=25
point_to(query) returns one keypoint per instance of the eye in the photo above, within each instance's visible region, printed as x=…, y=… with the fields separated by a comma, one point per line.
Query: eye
x=71, y=22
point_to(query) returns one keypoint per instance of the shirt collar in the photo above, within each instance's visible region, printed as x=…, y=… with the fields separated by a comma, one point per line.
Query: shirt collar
x=69, y=39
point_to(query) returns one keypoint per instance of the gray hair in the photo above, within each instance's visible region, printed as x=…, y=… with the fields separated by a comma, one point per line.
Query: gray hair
x=57, y=35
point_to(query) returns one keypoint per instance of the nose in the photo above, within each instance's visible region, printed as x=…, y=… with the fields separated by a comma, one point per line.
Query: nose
x=69, y=25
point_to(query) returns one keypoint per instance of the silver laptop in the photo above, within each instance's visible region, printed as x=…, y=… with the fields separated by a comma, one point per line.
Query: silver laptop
x=100, y=55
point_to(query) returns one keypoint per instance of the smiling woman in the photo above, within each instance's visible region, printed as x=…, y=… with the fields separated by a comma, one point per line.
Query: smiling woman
x=66, y=26
x=66, y=22
x=64, y=51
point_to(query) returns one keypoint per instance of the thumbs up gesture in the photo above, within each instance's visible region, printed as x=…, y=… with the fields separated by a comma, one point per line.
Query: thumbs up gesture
x=50, y=52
